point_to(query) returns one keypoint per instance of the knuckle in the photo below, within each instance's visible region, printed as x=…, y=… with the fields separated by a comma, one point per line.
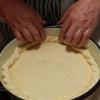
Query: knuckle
x=77, y=18
x=84, y=35
x=18, y=37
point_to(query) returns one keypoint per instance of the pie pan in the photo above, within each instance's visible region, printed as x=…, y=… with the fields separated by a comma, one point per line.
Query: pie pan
x=92, y=47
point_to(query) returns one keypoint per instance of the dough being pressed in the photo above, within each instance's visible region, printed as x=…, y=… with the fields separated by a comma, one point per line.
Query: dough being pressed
x=51, y=72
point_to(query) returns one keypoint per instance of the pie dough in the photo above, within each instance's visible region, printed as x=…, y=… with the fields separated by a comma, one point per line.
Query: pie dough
x=51, y=72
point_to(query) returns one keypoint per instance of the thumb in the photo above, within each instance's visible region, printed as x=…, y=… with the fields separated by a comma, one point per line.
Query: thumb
x=65, y=15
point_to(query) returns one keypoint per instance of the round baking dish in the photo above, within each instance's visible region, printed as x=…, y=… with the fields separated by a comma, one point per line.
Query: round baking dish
x=92, y=47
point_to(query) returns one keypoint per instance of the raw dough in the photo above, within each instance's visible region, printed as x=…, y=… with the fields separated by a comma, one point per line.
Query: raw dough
x=51, y=72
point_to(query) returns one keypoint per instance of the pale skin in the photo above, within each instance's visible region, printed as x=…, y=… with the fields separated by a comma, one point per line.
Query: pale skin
x=77, y=24
x=25, y=22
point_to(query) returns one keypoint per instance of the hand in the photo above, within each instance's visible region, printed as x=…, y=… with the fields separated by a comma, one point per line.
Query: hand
x=79, y=22
x=25, y=22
